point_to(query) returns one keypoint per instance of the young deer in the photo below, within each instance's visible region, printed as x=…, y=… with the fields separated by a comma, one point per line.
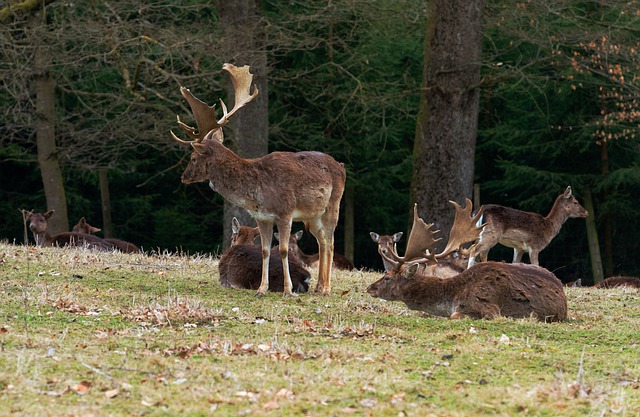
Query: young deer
x=83, y=227
x=279, y=188
x=485, y=290
x=386, y=242
x=339, y=261
x=522, y=230
x=241, y=265
x=39, y=227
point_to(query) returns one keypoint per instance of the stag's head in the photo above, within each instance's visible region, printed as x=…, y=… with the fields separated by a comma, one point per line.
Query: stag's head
x=209, y=128
x=570, y=204
x=420, y=247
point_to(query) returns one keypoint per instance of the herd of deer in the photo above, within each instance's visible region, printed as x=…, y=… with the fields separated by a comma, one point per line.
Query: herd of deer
x=282, y=187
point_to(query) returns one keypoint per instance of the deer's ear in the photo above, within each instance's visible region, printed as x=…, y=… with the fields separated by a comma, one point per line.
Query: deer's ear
x=235, y=225
x=215, y=135
x=200, y=148
x=298, y=234
x=567, y=192
x=375, y=237
x=410, y=271
x=49, y=214
x=397, y=236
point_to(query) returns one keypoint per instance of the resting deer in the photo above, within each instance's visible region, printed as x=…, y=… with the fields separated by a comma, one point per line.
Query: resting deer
x=522, y=230
x=39, y=227
x=83, y=227
x=241, y=265
x=613, y=282
x=339, y=261
x=386, y=242
x=485, y=290
x=279, y=188
x=450, y=266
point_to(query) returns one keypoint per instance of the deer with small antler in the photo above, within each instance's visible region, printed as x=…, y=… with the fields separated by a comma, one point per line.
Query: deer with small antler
x=280, y=187
x=522, y=230
x=486, y=290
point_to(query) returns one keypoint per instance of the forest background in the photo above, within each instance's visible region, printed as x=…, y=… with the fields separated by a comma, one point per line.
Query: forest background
x=559, y=89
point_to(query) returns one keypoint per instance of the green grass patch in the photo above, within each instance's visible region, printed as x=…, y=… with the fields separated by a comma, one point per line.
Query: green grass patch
x=87, y=333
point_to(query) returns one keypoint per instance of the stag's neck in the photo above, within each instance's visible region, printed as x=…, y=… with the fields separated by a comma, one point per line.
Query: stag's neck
x=233, y=177
x=431, y=294
x=556, y=218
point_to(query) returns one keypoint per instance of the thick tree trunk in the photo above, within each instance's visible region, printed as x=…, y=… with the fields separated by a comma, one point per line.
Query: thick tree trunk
x=50, y=170
x=349, y=221
x=243, y=44
x=444, y=148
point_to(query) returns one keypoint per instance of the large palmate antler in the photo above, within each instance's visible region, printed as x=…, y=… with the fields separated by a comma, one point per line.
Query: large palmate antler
x=421, y=238
x=205, y=115
x=465, y=229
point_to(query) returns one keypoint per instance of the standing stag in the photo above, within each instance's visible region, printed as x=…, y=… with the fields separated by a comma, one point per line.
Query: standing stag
x=279, y=188
x=38, y=224
x=522, y=230
x=241, y=265
x=485, y=290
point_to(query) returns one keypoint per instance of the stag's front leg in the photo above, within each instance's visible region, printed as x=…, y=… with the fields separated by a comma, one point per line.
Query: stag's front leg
x=284, y=231
x=266, y=232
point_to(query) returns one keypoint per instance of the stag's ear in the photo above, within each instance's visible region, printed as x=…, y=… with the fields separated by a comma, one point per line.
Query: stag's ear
x=397, y=236
x=215, y=134
x=375, y=237
x=277, y=236
x=235, y=225
x=48, y=214
x=298, y=235
x=410, y=271
x=567, y=192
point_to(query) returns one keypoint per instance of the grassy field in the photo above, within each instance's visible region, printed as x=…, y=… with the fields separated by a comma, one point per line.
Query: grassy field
x=93, y=334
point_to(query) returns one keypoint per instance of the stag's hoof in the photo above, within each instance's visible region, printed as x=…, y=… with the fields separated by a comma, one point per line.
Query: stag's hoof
x=259, y=294
x=292, y=294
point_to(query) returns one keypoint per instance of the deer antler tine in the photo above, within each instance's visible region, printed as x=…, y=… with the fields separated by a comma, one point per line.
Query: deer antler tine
x=242, y=80
x=420, y=239
x=465, y=228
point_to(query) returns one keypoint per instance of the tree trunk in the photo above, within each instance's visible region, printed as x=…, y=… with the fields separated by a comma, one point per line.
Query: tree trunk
x=105, y=199
x=50, y=170
x=607, y=228
x=444, y=148
x=349, y=224
x=592, y=237
x=243, y=44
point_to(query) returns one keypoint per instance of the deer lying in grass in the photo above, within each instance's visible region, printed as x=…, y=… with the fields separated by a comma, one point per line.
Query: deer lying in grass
x=613, y=282
x=241, y=265
x=522, y=230
x=339, y=261
x=450, y=266
x=279, y=188
x=39, y=228
x=83, y=227
x=386, y=242
x=486, y=290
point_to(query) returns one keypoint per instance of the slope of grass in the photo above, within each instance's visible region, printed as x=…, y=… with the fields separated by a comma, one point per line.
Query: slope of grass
x=85, y=333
